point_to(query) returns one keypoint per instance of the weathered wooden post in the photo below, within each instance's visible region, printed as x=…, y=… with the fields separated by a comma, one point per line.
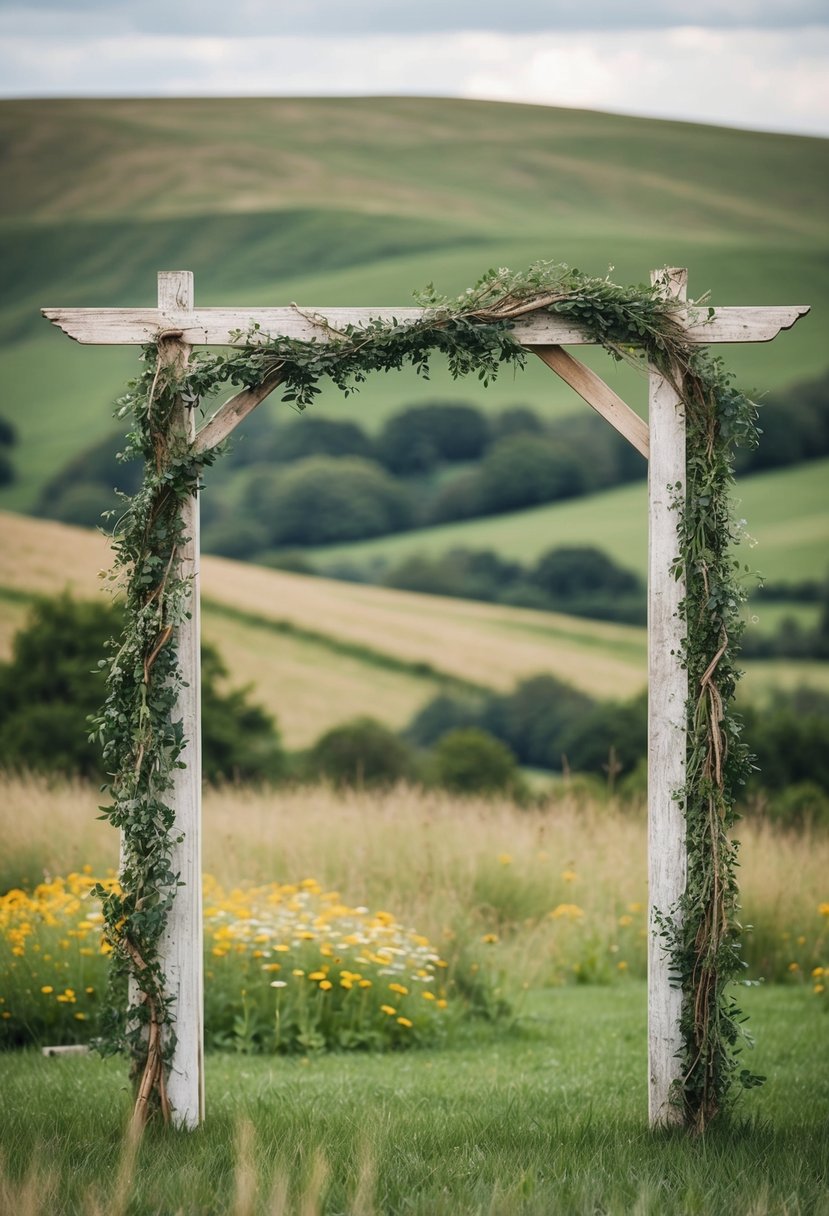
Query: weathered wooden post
x=667, y=725
x=181, y=952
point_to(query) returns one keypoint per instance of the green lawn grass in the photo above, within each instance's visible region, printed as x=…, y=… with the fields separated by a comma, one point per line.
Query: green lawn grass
x=547, y=1118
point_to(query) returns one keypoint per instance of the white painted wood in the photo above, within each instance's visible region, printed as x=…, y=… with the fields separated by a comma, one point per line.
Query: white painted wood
x=667, y=732
x=182, y=947
x=215, y=326
x=598, y=395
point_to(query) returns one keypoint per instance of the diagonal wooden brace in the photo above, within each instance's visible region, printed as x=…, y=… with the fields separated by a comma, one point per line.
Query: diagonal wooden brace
x=592, y=389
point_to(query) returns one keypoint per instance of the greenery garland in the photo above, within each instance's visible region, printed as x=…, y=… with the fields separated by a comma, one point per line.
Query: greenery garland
x=142, y=746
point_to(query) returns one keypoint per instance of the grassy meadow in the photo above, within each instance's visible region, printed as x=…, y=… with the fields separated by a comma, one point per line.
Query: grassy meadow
x=542, y=1111
x=317, y=652
x=424, y=189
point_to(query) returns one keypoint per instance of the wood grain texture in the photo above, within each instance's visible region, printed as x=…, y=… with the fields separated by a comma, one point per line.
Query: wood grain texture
x=228, y=416
x=216, y=326
x=667, y=732
x=600, y=396
x=181, y=950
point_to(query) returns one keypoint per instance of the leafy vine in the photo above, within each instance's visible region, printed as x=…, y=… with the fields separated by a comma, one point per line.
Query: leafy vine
x=142, y=744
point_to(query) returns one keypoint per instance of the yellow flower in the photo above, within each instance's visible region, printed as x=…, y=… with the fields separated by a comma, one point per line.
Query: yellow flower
x=569, y=875
x=80, y=1017
x=816, y=971
x=441, y=1004
x=325, y=985
x=505, y=859
x=490, y=938
x=823, y=909
x=5, y=1015
x=794, y=966
x=622, y=965
x=399, y=989
x=818, y=988
x=428, y=996
x=624, y=921
x=404, y=1022
x=571, y=911
x=317, y=975
x=365, y=983
x=389, y=1009
x=297, y=971
x=47, y=989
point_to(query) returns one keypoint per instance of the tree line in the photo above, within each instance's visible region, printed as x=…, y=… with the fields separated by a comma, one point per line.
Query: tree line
x=473, y=743
x=308, y=480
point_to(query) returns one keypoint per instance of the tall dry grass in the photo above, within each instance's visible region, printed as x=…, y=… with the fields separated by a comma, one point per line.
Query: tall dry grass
x=552, y=885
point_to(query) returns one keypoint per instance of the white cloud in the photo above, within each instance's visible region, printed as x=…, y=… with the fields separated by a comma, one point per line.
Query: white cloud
x=272, y=18
x=757, y=78
x=754, y=78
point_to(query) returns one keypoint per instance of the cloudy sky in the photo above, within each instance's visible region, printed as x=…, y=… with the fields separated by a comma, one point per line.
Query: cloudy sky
x=748, y=63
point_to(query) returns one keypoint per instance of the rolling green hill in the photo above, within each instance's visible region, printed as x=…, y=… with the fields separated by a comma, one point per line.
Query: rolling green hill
x=363, y=200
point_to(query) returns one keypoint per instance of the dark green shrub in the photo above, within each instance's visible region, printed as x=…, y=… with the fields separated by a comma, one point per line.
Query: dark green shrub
x=306, y=434
x=572, y=572
x=53, y=683
x=804, y=805
x=360, y=752
x=239, y=538
x=472, y=761
x=609, y=740
x=418, y=438
x=515, y=420
x=439, y=716
x=525, y=470
x=461, y=497
x=70, y=495
x=533, y=720
x=83, y=504
x=325, y=499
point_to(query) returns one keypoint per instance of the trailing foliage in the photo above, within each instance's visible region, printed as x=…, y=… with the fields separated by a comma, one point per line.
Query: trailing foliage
x=472, y=333
x=142, y=741
x=704, y=938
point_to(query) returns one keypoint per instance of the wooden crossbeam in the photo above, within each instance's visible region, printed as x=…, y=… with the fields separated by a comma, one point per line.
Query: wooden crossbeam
x=223, y=326
x=592, y=389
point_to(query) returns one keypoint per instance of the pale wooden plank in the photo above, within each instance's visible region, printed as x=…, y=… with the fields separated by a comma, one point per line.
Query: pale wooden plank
x=228, y=416
x=181, y=950
x=600, y=396
x=667, y=731
x=215, y=326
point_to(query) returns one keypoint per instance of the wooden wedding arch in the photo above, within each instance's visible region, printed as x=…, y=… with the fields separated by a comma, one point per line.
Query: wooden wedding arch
x=177, y=326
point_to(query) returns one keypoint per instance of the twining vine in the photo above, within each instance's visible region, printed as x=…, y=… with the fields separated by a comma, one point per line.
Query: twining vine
x=473, y=332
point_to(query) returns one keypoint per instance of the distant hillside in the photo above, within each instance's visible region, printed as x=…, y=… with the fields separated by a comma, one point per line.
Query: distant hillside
x=787, y=514
x=363, y=200
x=317, y=652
